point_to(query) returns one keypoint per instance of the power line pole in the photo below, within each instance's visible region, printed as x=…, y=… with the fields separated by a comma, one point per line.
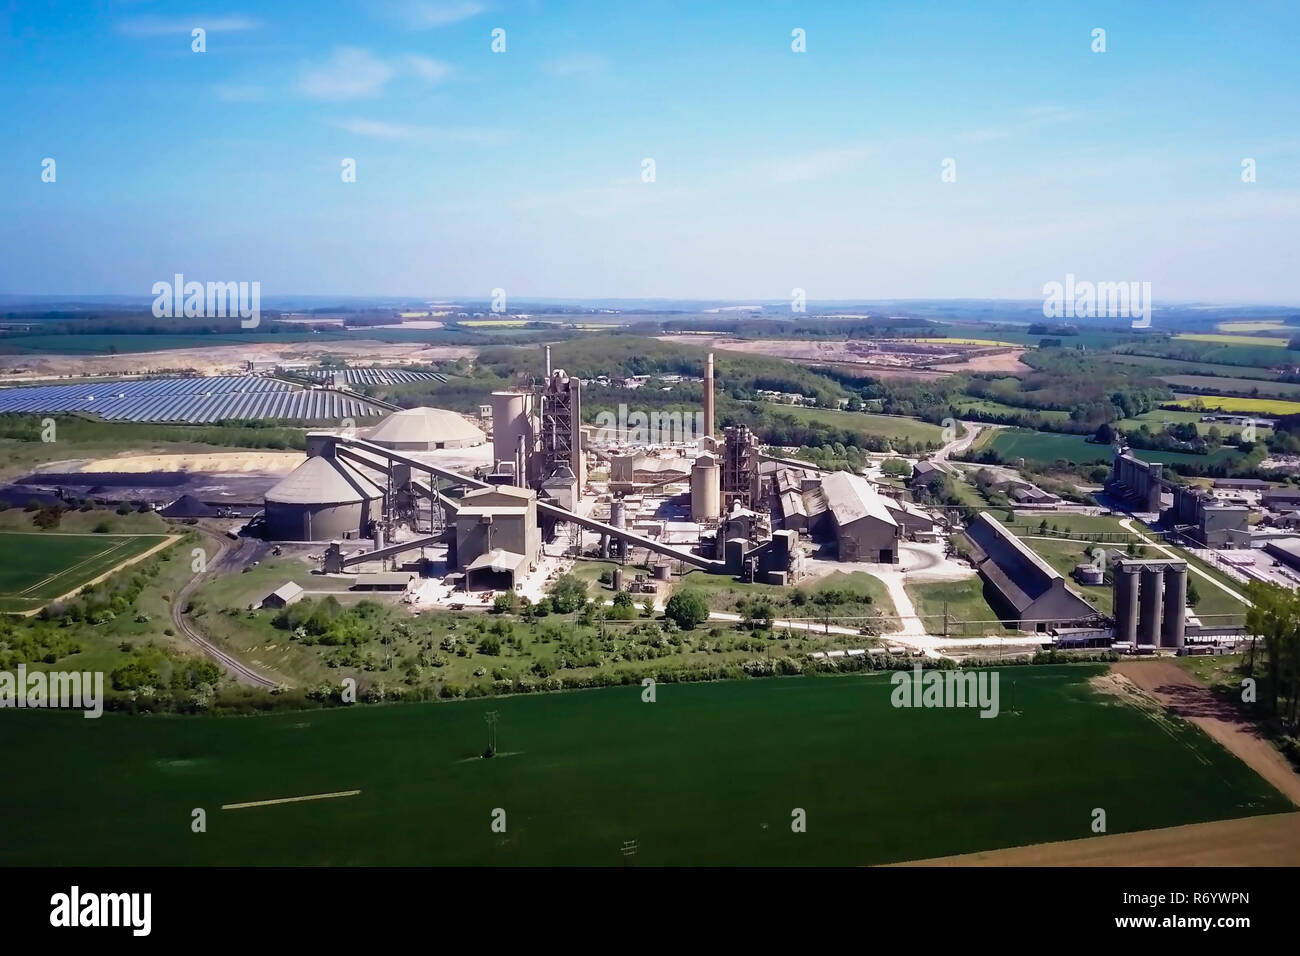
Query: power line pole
x=491, y=718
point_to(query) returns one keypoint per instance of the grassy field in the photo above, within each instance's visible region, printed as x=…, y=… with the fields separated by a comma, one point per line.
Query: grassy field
x=885, y=426
x=1247, y=387
x=1166, y=366
x=1271, y=341
x=37, y=567
x=1247, y=325
x=965, y=406
x=1047, y=447
x=723, y=593
x=1156, y=421
x=1063, y=556
x=580, y=774
x=965, y=603
x=1231, y=403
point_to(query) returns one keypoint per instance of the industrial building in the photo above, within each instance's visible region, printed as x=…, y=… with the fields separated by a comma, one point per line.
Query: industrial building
x=847, y=509
x=1150, y=602
x=322, y=499
x=426, y=429
x=1026, y=590
x=1199, y=516
x=1136, y=482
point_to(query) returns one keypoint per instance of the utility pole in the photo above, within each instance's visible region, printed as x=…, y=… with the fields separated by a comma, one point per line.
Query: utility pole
x=491, y=718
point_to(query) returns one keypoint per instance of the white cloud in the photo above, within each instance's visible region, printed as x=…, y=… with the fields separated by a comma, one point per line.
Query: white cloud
x=170, y=26
x=403, y=132
x=426, y=14
x=576, y=63
x=349, y=74
x=426, y=68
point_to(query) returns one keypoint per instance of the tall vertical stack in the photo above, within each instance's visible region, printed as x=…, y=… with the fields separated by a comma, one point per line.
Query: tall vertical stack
x=1150, y=602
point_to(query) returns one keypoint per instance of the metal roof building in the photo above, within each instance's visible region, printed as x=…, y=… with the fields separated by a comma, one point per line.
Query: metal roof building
x=1028, y=591
x=321, y=499
x=849, y=508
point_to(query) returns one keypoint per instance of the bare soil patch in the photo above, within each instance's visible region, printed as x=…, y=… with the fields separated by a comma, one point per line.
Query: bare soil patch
x=1187, y=698
x=1006, y=362
x=1272, y=840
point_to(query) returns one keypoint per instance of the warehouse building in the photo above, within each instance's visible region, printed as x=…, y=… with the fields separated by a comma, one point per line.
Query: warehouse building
x=322, y=499
x=426, y=429
x=849, y=510
x=1027, y=591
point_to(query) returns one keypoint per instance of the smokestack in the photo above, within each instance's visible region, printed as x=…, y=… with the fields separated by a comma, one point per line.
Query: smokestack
x=708, y=396
x=548, y=363
x=521, y=464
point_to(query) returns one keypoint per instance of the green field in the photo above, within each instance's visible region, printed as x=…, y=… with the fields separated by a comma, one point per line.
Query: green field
x=965, y=603
x=1248, y=387
x=1164, y=366
x=37, y=567
x=1271, y=341
x=1047, y=447
x=708, y=774
x=885, y=426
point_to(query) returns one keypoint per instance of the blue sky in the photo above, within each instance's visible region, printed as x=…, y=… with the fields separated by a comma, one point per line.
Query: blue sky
x=774, y=169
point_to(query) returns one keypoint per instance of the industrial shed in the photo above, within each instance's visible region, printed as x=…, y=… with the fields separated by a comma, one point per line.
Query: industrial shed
x=1027, y=591
x=425, y=429
x=321, y=499
x=847, y=508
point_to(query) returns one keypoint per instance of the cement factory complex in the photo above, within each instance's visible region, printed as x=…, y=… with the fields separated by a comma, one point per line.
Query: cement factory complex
x=448, y=510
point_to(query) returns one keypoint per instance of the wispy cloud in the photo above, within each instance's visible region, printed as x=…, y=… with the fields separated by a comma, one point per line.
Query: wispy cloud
x=427, y=14
x=414, y=133
x=425, y=68
x=576, y=64
x=171, y=26
x=352, y=73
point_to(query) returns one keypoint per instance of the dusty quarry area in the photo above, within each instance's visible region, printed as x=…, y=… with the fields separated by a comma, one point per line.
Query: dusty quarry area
x=226, y=359
x=229, y=462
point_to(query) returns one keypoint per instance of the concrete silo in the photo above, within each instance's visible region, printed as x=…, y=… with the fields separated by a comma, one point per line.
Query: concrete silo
x=1126, y=602
x=1151, y=605
x=512, y=432
x=706, y=489
x=1175, y=620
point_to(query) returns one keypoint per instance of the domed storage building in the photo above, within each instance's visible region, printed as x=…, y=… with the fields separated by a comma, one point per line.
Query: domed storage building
x=322, y=499
x=424, y=429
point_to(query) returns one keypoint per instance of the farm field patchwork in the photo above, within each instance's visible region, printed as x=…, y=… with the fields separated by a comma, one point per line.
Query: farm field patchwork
x=884, y=426
x=708, y=774
x=37, y=567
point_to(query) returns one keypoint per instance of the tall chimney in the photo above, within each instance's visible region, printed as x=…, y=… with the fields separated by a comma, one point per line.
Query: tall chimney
x=548, y=363
x=708, y=396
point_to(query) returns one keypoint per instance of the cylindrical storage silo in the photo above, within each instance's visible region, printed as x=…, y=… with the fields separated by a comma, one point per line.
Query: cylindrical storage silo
x=617, y=517
x=663, y=572
x=1175, y=619
x=321, y=499
x=618, y=579
x=1151, y=605
x=706, y=491
x=1126, y=603
x=510, y=424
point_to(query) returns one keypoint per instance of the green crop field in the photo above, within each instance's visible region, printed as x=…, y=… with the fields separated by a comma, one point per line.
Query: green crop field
x=35, y=568
x=1277, y=342
x=1248, y=387
x=707, y=774
x=1047, y=447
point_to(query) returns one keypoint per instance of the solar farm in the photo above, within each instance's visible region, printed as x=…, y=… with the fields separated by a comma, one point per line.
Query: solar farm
x=374, y=376
x=194, y=401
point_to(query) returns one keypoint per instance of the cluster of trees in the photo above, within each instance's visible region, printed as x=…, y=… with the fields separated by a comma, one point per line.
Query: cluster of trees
x=1274, y=619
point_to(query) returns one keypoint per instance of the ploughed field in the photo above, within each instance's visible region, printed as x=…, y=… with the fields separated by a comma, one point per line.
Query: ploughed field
x=707, y=774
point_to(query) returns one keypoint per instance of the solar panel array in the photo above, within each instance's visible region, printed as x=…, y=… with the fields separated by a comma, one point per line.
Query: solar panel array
x=375, y=376
x=193, y=401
